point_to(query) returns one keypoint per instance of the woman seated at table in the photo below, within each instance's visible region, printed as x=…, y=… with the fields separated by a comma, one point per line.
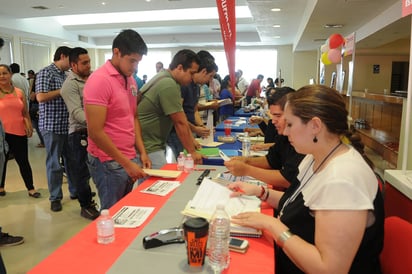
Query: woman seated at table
x=332, y=221
x=280, y=166
x=226, y=92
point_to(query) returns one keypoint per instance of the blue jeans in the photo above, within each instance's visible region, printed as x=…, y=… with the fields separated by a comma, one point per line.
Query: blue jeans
x=111, y=179
x=77, y=166
x=56, y=148
x=158, y=159
x=174, y=143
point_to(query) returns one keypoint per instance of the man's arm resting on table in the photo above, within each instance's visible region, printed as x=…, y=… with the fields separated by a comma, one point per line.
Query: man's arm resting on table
x=269, y=176
x=183, y=131
x=47, y=96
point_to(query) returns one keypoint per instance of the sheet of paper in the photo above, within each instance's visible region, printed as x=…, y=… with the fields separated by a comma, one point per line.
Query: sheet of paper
x=163, y=173
x=205, y=143
x=131, y=216
x=203, y=201
x=161, y=188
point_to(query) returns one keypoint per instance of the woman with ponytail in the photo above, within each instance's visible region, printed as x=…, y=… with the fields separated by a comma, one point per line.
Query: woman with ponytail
x=332, y=220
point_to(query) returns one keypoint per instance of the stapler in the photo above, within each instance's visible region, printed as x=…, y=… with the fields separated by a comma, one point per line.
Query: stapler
x=164, y=237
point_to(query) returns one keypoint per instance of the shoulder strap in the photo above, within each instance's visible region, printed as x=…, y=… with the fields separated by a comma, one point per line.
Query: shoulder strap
x=148, y=86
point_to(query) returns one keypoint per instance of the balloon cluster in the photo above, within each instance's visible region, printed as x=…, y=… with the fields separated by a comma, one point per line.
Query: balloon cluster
x=332, y=49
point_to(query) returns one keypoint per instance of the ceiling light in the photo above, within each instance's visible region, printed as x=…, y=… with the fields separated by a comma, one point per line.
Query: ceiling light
x=276, y=26
x=275, y=9
x=276, y=37
x=104, y=3
x=40, y=8
x=333, y=26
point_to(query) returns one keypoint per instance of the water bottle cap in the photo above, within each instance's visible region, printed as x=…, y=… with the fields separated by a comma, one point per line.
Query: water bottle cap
x=105, y=212
x=220, y=206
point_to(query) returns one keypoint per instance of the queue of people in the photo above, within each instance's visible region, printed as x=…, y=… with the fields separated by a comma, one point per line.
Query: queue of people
x=326, y=219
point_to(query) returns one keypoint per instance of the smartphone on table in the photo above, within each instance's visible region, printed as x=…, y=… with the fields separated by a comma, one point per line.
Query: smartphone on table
x=238, y=245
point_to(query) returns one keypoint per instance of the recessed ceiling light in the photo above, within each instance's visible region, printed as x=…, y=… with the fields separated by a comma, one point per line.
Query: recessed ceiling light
x=40, y=8
x=104, y=3
x=276, y=37
x=333, y=26
x=275, y=9
x=276, y=26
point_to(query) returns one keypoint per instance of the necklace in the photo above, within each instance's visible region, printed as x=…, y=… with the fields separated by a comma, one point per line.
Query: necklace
x=299, y=189
x=7, y=92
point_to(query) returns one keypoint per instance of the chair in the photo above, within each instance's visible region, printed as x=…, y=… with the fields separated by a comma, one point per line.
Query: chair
x=396, y=256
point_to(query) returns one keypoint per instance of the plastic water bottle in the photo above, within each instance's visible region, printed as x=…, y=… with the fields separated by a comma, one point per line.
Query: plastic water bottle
x=218, y=242
x=189, y=163
x=181, y=161
x=246, y=145
x=105, y=228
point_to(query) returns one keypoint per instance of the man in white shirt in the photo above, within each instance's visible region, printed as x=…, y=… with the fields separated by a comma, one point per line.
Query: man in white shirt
x=20, y=81
x=242, y=83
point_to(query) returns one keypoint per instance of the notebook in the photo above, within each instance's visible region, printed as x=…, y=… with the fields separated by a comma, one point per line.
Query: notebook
x=210, y=194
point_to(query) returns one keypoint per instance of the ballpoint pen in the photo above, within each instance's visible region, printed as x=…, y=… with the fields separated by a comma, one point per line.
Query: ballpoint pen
x=203, y=175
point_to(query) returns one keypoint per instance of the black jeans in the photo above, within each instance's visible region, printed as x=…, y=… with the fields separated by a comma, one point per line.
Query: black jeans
x=18, y=146
x=77, y=166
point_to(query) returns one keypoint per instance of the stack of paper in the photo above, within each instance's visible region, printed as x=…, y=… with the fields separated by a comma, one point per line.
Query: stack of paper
x=210, y=194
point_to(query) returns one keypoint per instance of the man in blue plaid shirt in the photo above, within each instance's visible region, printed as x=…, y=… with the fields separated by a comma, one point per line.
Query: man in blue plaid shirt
x=54, y=123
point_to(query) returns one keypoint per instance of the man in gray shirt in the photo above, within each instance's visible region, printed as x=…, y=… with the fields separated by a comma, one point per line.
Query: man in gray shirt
x=72, y=94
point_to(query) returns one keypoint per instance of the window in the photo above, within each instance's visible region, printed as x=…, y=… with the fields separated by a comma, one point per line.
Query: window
x=251, y=62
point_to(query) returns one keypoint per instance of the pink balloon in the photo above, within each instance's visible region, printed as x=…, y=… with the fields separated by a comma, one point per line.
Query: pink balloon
x=334, y=55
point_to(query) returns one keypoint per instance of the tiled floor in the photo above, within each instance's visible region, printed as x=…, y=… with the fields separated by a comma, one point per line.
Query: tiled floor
x=22, y=215
x=43, y=229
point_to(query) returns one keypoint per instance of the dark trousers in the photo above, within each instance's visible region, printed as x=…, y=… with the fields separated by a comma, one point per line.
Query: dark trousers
x=18, y=146
x=77, y=166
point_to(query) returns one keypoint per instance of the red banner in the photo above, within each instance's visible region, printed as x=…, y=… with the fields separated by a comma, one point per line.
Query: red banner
x=227, y=19
x=406, y=7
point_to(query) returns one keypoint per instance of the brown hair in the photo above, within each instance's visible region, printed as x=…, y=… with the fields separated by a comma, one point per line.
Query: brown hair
x=328, y=105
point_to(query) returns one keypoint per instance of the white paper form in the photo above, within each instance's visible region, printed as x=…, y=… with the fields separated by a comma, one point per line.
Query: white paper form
x=161, y=187
x=131, y=216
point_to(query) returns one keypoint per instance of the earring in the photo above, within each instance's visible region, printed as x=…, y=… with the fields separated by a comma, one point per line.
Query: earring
x=315, y=140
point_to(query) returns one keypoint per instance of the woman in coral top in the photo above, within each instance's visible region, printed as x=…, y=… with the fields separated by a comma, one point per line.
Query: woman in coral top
x=17, y=125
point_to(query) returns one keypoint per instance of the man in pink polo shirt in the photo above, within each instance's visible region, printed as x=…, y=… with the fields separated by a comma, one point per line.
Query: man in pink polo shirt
x=113, y=125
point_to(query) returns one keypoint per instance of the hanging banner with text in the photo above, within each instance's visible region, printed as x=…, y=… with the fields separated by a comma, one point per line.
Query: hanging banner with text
x=227, y=19
x=406, y=7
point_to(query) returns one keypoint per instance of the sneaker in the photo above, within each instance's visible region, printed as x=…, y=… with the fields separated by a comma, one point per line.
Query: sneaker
x=90, y=212
x=56, y=206
x=8, y=240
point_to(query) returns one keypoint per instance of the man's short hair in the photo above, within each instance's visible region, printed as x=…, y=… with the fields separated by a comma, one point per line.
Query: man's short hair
x=15, y=68
x=184, y=57
x=279, y=97
x=129, y=42
x=260, y=76
x=75, y=53
x=61, y=50
x=207, y=61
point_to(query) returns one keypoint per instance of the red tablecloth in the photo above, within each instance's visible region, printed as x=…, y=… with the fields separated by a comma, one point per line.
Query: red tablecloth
x=82, y=253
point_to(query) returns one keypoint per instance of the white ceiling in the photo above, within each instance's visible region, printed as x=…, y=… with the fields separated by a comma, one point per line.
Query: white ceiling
x=376, y=22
